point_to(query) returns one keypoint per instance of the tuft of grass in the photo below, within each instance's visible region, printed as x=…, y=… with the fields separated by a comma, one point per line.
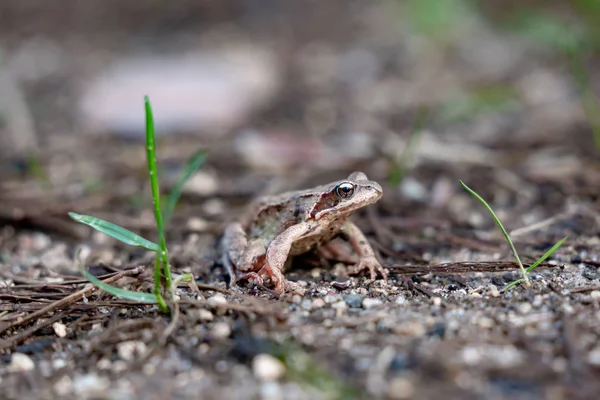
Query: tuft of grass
x=403, y=162
x=574, y=40
x=524, y=272
x=163, y=280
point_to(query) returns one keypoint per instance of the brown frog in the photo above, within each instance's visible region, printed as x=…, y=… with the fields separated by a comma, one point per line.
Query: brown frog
x=278, y=227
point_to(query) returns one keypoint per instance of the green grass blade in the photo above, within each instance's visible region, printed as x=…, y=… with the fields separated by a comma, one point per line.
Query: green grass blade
x=153, y=171
x=512, y=284
x=193, y=164
x=115, y=231
x=546, y=254
x=140, y=297
x=401, y=165
x=497, y=220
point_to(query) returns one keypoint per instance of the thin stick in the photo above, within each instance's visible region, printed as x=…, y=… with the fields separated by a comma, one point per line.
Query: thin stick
x=70, y=299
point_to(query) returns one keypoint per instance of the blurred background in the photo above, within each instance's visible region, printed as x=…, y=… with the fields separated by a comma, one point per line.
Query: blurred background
x=417, y=93
x=286, y=94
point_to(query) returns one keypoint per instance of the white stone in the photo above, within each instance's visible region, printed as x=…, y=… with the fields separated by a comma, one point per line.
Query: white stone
x=340, y=307
x=267, y=368
x=593, y=357
x=20, y=362
x=130, y=349
x=221, y=330
x=205, y=315
x=63, y=385
x=400, y=389
x=318, y=303
x=89, y=384
x=218, y=302
x=369, y=303
x=60, y=329
x=59, y=363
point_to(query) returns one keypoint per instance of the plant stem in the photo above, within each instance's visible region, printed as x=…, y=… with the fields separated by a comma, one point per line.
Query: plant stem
x=163, y=255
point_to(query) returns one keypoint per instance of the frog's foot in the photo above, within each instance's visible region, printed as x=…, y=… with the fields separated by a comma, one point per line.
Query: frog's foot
x=368, y=263
x=252, y=277
x=276, y=277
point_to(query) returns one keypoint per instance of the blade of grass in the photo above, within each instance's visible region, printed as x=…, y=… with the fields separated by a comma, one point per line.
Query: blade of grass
x=546, y=254
x=512, y=284
x=115, y=231
x=193, y=164
x=538, y=262
x=401, y=165
x=506, y=236
x=153, y=172
x=140, y=297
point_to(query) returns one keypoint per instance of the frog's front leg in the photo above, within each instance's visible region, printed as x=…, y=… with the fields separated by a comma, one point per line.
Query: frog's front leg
x=364, y=250
x=238, y=255
x=278, y=252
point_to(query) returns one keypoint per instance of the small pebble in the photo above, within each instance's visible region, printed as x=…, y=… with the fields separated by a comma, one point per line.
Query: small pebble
x=63, y=386
x=493, y=291
x=538, y=300
x=486, y=323
x=267, y=368
x=525, y=308
x=306, y=304
x=362, y=290
x=340, y=307
x=436, y=301
x=60, y=329
x=595, y=294
x=353, y=300
x=20, y=362
x=318, y=303
x=400, y=389
x=59, y=363
x=401, y=300
x=130, y=349
x=331, y=298
x=593, y=357
x=369, y=303
x=221, y=330
x=205, y=315
x=90, y=384
x=296, y=299
x=218, y=302
x=104, y=364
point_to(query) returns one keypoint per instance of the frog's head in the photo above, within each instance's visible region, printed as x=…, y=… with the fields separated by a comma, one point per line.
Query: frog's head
x=343, y=197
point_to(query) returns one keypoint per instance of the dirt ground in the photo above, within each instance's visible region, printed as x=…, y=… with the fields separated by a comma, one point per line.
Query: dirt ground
x=416, y=94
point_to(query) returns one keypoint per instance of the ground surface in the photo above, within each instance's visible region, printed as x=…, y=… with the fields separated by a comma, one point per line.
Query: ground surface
x=501, y=112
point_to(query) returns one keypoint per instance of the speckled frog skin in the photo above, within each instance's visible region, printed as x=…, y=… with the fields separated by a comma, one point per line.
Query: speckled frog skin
x=278, y=227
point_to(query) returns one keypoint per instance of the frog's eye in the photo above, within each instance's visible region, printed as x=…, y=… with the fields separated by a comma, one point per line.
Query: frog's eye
x=344, y=190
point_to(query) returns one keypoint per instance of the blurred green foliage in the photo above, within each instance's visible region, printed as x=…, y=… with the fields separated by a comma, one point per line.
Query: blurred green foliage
x=570, y=30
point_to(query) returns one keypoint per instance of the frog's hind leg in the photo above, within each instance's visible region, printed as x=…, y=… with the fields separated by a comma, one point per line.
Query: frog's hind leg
x=240, y=257
x=233, y=245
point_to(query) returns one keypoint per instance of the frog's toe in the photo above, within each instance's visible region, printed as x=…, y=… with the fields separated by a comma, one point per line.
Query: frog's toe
x=275, y=276
x=253, y=277
x=372, y=265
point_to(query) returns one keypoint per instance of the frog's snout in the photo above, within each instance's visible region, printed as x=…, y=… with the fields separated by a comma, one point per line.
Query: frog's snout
x=377, y=188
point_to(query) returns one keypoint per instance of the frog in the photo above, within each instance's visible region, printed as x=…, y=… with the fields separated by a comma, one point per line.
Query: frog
x=276, y=228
